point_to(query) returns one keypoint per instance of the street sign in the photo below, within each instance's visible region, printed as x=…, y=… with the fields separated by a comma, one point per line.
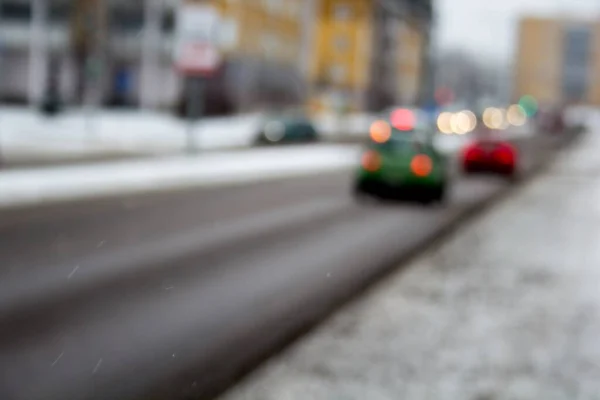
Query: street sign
x=198, y=59
x=196, y=43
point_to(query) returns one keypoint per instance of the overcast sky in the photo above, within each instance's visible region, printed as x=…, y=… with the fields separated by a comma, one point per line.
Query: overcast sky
x=488, y=27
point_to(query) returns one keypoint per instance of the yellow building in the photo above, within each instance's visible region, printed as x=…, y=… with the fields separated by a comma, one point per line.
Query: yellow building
x=364, y=55
x=594, y=92
x=335, y=47
x=410, y=63
x=262, y=43
x=556, y=61
x=340, y=60
x=266, y=29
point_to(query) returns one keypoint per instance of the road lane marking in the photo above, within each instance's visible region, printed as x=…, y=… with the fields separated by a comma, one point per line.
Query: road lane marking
x=57, y=359
x=73, y=272
x=102, y=267
x=97, y=367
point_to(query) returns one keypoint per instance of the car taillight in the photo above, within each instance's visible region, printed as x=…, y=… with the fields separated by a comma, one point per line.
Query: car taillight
x=371, y=161
x=503, y=155
x=474, y=154
x=421, y=165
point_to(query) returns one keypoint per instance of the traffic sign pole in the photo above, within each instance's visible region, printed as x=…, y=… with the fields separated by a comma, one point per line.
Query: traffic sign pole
x=197, y=57
x=195, y=108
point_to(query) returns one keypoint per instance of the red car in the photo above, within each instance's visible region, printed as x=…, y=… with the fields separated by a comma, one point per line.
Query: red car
x=490, y=156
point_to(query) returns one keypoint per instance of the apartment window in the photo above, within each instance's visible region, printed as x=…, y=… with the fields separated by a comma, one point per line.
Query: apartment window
x=392, y=29
x=337, y=73
x=15, y=11
x=168, y=21
x=341, y=43
x=59, y=12
x=271, y=5
x=342, y=12
x=293, y=9
x=268, y=44
x=576, y=62
x=127, y=20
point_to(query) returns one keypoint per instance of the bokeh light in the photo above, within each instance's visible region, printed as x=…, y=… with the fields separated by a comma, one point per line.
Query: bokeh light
x=371, y=161
x=529, y=105
x=443, y=123
x=503, y=119
x=516, y=115
x=493, y=118
x=274, y=131
x=380, y=131
x=421, y=165
x=462, y=122
x=443, y=96
x=472, y=120
x=403, y=119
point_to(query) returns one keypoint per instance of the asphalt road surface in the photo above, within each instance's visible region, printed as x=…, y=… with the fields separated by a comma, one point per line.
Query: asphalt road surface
x=169, y=295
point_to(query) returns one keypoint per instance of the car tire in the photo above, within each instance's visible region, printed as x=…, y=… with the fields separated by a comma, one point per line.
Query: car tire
x=363, y=196
x=466, y=170
x=439, y=195
x=261, y=140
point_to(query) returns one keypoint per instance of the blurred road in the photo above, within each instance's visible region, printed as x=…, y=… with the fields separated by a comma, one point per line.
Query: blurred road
x=171, y=294
x=508, y=308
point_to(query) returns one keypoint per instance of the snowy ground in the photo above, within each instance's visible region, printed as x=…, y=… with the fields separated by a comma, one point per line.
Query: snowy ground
x=507, y=309
x=45, y=185
x=26, y=135
x=159, y=133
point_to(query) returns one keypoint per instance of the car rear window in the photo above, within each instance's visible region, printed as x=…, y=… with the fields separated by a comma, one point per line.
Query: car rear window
x=400, y=143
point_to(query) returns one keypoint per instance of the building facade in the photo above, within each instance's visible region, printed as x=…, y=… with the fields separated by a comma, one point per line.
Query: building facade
x=353, y=54
x=369, y=53
x=558, y=61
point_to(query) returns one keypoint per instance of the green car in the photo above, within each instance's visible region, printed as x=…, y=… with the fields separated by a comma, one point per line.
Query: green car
x=403, y=164
x=286, y=129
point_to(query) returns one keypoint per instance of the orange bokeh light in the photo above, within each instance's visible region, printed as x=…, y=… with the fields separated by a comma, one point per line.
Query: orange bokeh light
x=380, y=131
x=421, y=165
x=371, y=161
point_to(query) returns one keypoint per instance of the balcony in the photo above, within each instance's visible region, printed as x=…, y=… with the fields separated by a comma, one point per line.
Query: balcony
x=421, y=10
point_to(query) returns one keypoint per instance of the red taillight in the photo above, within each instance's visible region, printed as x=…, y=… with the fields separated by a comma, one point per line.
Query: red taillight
x=474, y=154
x=371, y=161
x=504, y=154
x=421, y=165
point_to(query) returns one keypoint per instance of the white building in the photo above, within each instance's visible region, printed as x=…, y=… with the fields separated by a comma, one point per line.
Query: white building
x=139, y=41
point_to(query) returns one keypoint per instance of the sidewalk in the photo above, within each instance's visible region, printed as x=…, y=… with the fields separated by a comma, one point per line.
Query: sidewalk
x=507, y=309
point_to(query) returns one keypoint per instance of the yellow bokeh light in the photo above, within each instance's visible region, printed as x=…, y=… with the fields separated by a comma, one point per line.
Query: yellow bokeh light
x=457, y=123
x=487, y=116
x=463, y=122
x=500, y=120
x=516, y=115
x=472, y=120
x=443, y=123
x=493, y=118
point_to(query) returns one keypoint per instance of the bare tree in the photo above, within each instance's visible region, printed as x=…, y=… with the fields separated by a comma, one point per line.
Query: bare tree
x=469, y=77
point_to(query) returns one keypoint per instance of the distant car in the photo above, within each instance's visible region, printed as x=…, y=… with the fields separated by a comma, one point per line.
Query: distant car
x=286, y=129
x=490, y=155
x=402, y=163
